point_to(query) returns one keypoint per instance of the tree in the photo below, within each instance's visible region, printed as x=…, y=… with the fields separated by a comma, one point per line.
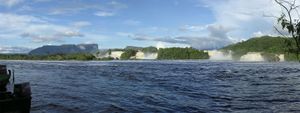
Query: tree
x=128, y=54
x=290, y=23
x=150, y=49
x=109, y=52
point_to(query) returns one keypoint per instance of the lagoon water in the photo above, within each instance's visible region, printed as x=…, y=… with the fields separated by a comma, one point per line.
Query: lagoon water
x=160, y=86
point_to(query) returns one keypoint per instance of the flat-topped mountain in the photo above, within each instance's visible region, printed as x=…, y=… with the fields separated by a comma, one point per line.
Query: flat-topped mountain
x=65, y=49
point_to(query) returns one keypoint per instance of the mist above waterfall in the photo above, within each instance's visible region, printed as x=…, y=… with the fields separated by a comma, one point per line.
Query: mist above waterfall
x=219, y=55
x=142, y=55
x=249, y=57
x=214, y=55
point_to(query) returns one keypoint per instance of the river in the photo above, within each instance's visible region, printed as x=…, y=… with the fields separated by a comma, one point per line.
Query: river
x=160, y=86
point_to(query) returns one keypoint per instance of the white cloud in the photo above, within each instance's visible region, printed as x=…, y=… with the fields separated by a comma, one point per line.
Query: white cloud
x=75, y=7
x=10, y=3
x=235, y=21
x=104, y=14
x=258, y=34
x=58, y=37
x=245, y=17
x=117, y=5
x=168, y=45
x=217, y=38
x=67, y=10
x=14, y=50
x=12, y=23
x=42, y=0
x=49, y=33
x=24, y=8
x=192, y=28
x=36, y=29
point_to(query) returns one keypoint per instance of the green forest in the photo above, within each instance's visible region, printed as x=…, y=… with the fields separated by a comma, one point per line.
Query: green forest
x=268, y=45
x=181, y=53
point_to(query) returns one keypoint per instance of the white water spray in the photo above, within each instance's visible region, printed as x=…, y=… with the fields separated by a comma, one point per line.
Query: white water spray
x=219, y=55
x=252, y=57
x=142, y=55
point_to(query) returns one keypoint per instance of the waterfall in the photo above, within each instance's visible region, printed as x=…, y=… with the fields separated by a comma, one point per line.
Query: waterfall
x=252, y=56
x=142, y=55
x=219, y=55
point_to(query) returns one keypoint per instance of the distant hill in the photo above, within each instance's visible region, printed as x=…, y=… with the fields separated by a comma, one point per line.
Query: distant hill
x=264, y=44
x=133, y=48
x=259, y=44
x=65, y=49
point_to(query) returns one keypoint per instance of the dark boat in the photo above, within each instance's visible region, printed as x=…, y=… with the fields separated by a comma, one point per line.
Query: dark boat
x=18, y=100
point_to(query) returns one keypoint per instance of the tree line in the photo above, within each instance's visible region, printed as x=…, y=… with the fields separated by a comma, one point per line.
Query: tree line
x=181, y=53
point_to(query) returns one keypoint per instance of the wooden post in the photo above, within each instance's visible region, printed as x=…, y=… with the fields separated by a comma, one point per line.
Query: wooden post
x=3, y=70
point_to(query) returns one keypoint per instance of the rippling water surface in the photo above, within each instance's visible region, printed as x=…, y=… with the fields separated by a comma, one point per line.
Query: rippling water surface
x=160, y=86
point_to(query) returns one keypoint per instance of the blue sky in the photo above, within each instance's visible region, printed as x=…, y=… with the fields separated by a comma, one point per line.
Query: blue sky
x=202, y=24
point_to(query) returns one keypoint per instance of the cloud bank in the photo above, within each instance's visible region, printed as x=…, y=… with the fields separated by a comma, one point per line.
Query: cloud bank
x=10, y=3
x=235, y=20
x=217, y=37
x=37, y=29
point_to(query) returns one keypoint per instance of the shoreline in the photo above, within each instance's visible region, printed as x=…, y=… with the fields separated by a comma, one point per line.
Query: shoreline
x=151, y=60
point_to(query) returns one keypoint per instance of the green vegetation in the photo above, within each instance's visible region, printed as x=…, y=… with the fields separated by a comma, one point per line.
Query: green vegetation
x=72, y=57
x=128, y=54
x=48, y=57
x=116, y=49
x=270, y=57
x=259, y=44
x=150, y=49
x=106, y=58
x=290, y=23
x=133, y=48
x=181, y=53
x=14, y=57
x=267, y=45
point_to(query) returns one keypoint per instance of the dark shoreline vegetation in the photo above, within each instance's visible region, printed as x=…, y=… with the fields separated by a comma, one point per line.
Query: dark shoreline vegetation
x=129, y=54
x=181, y=53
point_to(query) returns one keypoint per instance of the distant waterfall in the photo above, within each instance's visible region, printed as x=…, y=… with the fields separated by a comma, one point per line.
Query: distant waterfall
x=252, y=56
x=281, y=57
x=142, y=55
x=249, y=57
x=219, y=55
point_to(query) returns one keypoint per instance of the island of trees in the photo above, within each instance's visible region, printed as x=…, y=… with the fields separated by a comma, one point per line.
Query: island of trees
x=181, y=53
